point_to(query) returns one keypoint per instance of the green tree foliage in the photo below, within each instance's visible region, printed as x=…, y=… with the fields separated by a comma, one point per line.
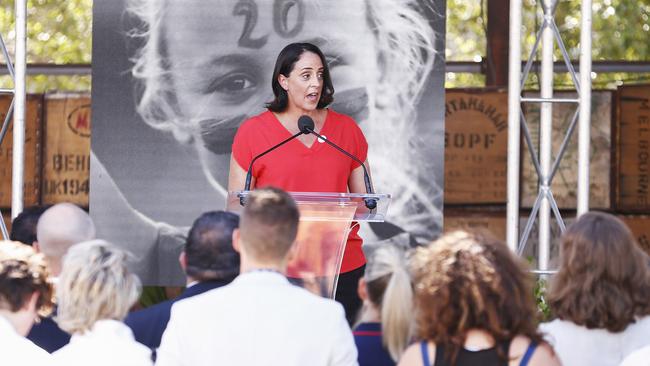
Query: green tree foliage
x=465, y=39
x=621, y=29
x=58, y=32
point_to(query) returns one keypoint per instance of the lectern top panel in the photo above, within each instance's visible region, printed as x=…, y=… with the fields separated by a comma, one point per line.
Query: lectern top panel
x=324, y=204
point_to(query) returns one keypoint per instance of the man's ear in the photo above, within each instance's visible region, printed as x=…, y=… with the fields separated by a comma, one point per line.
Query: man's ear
x=182, y=259
x=362, y=290
x=36, y=246
x=235, y=241
x=293, y=252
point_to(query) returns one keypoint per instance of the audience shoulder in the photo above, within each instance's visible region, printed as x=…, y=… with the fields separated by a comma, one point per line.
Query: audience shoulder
x=36, y=354
x=205, y=300
x=639, y=357
x=320, y=305
x=543, y=355
x=412, y=356
x=550, y=330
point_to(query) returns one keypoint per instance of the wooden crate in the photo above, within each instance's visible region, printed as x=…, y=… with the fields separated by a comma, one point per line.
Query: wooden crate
x=476, y=140
x=494, y=221
x=33, y=145
x=474, y=219
x=66, y=149
x=632, y=149
x=640, y=227
x=565, y=181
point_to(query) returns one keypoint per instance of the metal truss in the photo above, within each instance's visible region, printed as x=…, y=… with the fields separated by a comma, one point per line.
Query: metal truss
x=545, y=167
x=16, y=110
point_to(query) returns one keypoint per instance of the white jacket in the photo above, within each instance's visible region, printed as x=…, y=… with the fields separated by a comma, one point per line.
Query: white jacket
x=108, y=343
x=258, y=319
x=576, y=345
x=18, y=350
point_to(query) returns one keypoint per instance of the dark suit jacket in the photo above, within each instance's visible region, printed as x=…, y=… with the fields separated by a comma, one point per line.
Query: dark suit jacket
x=48, y=335
x=149, y=324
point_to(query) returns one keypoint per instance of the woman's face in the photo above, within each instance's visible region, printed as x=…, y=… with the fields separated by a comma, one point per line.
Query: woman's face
x=222, y=53
x=304, y=84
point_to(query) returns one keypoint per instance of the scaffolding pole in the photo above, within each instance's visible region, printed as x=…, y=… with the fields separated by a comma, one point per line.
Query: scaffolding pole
x=584, y=124
x=548, y=35
x=545, y=138
x=514, y=93
x=20, y=63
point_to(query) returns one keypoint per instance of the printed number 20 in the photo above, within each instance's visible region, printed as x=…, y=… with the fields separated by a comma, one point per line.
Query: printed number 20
x=281, y=8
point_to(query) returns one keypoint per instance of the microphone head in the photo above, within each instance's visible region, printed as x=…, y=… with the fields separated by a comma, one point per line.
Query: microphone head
x=306, y=124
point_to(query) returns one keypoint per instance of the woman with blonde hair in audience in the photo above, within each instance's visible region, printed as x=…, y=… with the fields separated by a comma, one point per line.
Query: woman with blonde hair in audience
x=94, y=293
x=386, y=317
x=24, y=293
x=600, y=295
x=474, y=306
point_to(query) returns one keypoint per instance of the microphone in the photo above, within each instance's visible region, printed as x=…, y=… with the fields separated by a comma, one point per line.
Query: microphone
x=306, y=126
x=249, y=173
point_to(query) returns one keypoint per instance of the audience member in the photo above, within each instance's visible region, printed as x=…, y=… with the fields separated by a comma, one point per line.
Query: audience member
x=94, y=294
x=260, y=318
x=640, y=357
x=23, y=227
x=600, y=295
x=208, y=259
x=60, y=227
x=474, y=306
x=24, y=292
x=386, y=318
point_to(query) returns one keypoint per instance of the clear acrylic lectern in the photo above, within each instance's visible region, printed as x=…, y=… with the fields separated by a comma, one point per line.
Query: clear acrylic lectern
x=325, y=222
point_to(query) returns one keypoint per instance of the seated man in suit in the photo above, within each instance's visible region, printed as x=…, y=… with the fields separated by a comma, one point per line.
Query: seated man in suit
x=208, y=260
x=59, y=228
x=260, y=318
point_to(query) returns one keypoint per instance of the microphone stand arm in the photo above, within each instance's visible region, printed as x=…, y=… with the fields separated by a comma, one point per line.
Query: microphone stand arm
x=371, y=203
x=249, y=173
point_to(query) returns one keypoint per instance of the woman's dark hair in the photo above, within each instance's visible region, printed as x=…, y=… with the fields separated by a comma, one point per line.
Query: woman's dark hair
x=284, y=65
x=603, y=281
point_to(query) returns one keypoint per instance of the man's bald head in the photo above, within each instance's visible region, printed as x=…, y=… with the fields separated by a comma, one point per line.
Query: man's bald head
x=60, y=227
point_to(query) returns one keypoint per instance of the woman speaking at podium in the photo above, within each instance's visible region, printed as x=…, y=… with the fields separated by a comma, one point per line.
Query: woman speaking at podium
x=302, y=85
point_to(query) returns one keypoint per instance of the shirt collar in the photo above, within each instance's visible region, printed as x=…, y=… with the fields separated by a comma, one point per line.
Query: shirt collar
x=6, y=326
x=257, y=275
x=106, y=327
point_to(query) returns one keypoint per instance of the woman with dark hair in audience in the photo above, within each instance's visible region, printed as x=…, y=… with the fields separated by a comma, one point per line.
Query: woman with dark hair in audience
x=386, y=317
x=23, y=227
x=474, y=306
x=24, y=293
x=600, y=295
